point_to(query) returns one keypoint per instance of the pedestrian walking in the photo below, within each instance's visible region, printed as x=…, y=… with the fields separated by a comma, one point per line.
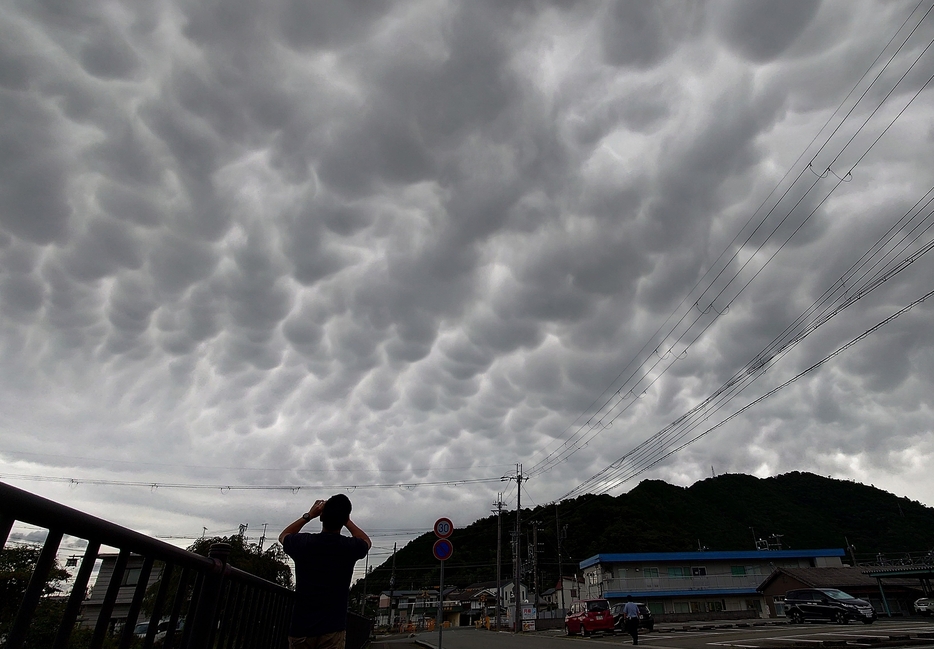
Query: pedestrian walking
x=324, y=564
x=631, y=619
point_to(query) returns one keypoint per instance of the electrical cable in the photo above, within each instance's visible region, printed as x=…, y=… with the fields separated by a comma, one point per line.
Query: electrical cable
x=223, y=488
x=892, y=268
x=653, y=460
x=582, y=440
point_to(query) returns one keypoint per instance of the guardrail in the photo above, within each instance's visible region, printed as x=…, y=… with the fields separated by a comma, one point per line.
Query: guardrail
x=223, y=607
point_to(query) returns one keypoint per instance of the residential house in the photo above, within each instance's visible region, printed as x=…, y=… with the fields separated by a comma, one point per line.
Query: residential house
x=721, y=584
x=898, y=593
x=417, y=609
x=91, y=607
x=565, y=591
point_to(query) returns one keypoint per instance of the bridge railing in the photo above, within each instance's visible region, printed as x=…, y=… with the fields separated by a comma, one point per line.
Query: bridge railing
x=222, y=607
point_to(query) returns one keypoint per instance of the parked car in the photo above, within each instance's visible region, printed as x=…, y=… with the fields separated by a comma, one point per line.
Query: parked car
x=646, y=619
x=924, y=606
x=141, y=629
x=587, y=616
x=826, y=604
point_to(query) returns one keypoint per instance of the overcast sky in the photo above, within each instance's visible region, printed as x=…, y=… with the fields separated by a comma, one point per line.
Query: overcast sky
x=376, y=247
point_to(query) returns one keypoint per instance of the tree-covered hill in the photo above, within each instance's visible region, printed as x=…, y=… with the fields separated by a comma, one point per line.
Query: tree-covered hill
x=721, y=513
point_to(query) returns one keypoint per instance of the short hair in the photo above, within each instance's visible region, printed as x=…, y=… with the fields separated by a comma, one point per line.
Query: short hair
x=336, y=512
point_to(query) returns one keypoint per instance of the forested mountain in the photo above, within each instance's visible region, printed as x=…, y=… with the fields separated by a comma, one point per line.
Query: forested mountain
x=807, y=510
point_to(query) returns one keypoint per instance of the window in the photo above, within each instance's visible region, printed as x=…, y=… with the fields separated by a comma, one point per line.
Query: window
x=754, y=605
x=697, y=607
x=592, y=578
x=131, y=576
x=650, y=573
x=715, y=605
x=699, y=571
x=679, y=572
x=682, y=607
x=738, y=571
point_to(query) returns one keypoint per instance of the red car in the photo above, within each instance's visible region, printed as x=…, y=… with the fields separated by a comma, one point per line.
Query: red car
x=587, y=616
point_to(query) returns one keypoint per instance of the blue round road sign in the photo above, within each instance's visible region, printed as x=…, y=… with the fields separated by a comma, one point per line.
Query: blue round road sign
x=442, y=549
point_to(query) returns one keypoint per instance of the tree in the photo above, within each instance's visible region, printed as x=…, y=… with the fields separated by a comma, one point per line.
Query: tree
x=16, y=567
x=269, y=564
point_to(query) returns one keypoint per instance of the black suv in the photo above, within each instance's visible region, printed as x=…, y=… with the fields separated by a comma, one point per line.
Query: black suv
x=646, y=620
x=826, y=604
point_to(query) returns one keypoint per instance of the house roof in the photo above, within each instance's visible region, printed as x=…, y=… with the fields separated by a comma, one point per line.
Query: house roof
x=918, y=572
x=842, y=577
x=733, y=555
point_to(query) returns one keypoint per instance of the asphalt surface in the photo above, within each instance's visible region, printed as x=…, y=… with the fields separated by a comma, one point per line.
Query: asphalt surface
x=712, y=635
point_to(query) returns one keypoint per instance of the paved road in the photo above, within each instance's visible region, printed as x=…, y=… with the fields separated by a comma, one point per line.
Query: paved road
x=766, y=637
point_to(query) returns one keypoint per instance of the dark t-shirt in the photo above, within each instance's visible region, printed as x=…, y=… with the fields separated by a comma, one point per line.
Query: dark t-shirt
x=323, y=569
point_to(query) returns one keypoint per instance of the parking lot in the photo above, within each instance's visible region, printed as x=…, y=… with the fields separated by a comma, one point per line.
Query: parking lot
x=766, y=635
x=770, y=635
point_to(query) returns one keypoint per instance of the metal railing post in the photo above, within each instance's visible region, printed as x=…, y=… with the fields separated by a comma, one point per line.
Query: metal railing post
x=136, y=604
x=77, y=595
x=181, y=593
x=110, y=597
x=30, y=601
x=162, y=594
x=205, y=607
x=228, y=604
x=6, y=524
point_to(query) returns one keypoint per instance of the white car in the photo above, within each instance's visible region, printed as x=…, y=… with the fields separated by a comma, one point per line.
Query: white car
x=924, y=606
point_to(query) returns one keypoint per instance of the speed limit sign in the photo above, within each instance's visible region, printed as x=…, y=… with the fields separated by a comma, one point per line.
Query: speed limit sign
x=443, y=528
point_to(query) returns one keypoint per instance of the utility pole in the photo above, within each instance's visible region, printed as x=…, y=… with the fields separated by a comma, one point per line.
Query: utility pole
x=535, y=525
x=851, y=549
x=366, y=571
x=262, y=539
x=499, y=546
x=392, y=585
x=518, y=586
x=560, y=568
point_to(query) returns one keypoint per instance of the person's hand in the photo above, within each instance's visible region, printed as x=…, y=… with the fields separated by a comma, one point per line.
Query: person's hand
x=316, y=509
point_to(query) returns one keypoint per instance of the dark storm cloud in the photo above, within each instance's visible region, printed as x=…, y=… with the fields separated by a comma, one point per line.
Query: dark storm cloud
x=642, y=34
x=365, y=242
x=33, y=170
x=108, y=55
x=762, y=30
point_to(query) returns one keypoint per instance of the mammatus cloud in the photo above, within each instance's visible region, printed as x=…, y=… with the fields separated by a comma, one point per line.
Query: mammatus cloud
x=391, y=248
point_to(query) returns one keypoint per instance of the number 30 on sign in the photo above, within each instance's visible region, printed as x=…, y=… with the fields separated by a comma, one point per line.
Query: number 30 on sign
x=443, y=528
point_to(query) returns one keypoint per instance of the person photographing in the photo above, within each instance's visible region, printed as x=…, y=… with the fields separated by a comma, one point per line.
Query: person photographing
x=324, y=564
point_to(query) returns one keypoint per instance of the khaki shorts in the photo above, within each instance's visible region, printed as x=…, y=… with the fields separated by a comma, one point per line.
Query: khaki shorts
x=327, y=641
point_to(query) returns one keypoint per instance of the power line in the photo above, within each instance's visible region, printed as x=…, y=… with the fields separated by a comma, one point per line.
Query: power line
x=580, y=439
x=243, y=468
x=223, y=488
x=625, y=475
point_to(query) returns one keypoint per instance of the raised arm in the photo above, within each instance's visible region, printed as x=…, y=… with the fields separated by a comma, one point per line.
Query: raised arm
x=357, y=533
x=296, y=526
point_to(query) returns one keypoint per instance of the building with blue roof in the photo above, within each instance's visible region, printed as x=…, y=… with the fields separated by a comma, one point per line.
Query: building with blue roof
x=695, y=582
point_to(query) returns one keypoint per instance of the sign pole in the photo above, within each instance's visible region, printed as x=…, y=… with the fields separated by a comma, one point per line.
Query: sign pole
x=441, y=606
x=442, y=550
